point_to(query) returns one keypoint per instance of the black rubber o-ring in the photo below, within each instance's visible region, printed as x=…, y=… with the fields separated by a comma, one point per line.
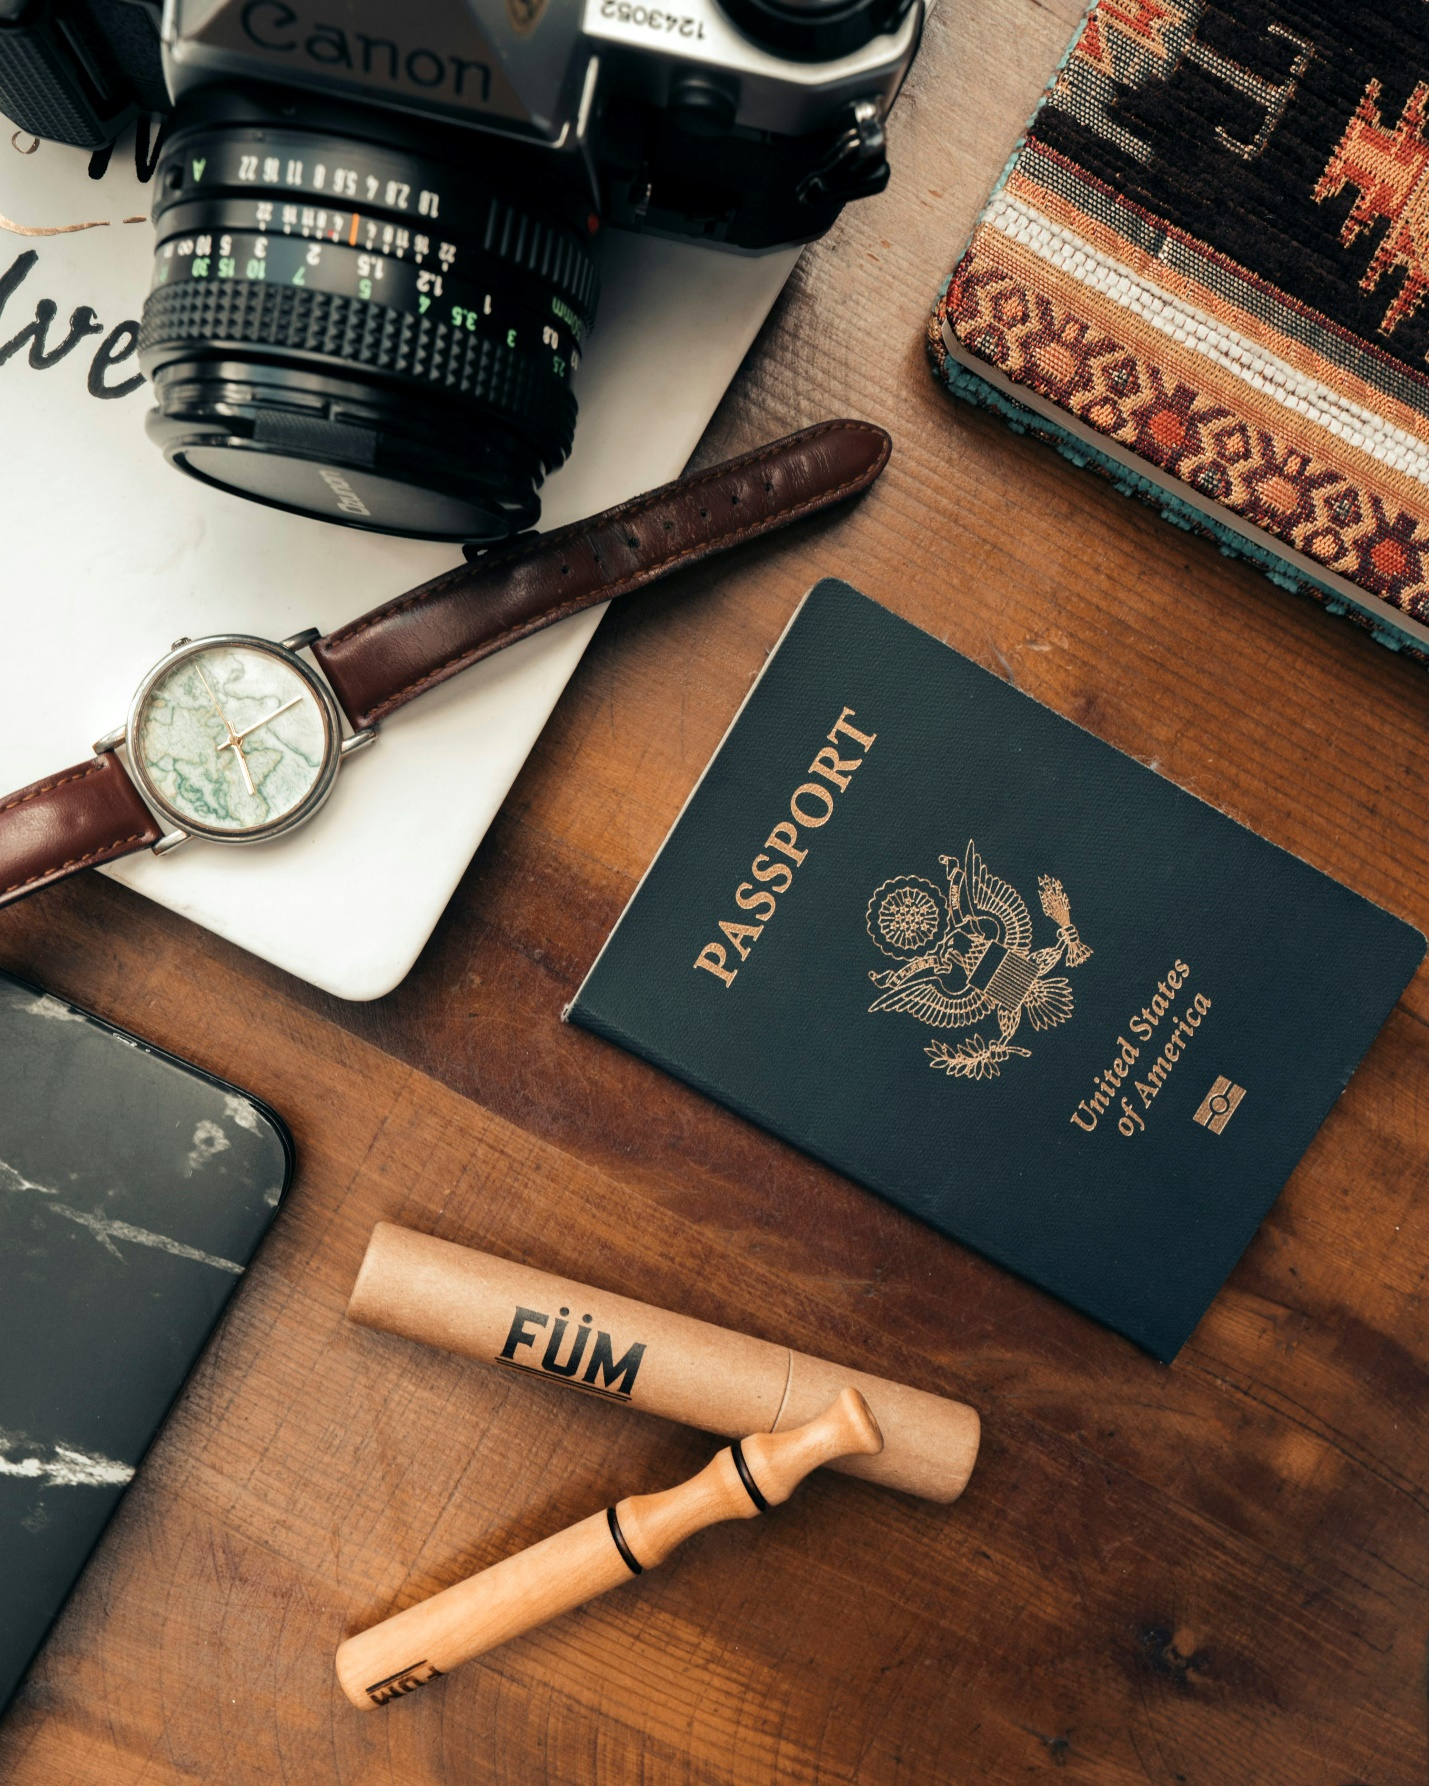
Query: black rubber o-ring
x=627, y=1555
x=736, y=1451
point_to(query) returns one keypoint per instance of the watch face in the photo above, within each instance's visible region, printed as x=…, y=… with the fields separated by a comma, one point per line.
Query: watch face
x=234, y=738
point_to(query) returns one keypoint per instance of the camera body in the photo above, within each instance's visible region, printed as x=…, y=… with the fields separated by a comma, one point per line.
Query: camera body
x=377, y=258
x=747, y=125
x=674, y=119
x=79, y=71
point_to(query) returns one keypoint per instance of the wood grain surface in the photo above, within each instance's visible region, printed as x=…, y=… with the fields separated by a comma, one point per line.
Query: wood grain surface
x=1208, y=1575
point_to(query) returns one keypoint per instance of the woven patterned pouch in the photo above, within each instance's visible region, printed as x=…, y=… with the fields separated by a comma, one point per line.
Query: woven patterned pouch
x=1204, y=273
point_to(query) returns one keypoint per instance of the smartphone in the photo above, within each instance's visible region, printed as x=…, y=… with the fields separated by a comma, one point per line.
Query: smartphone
x=134, y=1190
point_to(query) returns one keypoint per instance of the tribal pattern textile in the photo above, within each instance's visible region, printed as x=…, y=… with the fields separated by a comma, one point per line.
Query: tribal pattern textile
x=1211, y=251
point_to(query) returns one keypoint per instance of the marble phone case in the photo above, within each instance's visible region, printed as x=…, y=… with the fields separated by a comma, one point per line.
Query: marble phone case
x=134, y=1190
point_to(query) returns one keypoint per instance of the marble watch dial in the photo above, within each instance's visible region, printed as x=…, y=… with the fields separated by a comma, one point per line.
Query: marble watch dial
x=232, y=739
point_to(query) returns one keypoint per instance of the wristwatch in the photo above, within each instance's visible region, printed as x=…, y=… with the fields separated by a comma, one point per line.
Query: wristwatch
x=237, y=739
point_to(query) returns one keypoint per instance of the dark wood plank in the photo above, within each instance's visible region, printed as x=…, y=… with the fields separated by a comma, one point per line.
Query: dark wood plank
x=1215, y=1572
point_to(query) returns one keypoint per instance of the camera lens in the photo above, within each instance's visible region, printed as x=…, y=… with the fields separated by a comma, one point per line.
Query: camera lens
x=364, y=319
x=816, y=30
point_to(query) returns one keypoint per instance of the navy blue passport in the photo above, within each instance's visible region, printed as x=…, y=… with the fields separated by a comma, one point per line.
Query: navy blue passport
x=979, y=961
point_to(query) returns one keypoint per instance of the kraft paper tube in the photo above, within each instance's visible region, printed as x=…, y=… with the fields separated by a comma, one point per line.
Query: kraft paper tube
x=649, y=1358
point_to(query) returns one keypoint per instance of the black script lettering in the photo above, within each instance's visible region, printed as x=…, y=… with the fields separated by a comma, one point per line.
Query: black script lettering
x=36, y=335
x=146, y=152
x=147, y=144
x=116, y=347
x=15, y=275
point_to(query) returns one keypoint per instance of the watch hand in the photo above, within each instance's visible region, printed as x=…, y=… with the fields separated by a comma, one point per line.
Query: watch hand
x=239, y=736
x=233, y=739
x=227, y=723
x=234, y=742
x=242, y=763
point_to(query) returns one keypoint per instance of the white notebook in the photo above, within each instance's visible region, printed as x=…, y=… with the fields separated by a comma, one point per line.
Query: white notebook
x=108, y=556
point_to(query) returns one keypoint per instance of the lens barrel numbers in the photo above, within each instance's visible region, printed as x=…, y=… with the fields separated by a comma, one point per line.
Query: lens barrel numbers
x=318, y=300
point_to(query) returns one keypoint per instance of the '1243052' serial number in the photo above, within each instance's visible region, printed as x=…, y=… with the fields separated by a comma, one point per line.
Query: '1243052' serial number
x=653, y=18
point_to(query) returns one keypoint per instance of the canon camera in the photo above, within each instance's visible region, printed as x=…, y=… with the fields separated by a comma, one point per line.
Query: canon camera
x=376, y=264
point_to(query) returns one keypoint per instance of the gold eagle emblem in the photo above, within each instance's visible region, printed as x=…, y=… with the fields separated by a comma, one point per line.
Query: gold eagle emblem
x=965, y=954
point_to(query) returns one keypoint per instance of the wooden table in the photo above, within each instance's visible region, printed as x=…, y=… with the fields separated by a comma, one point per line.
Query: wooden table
x=1211, y=1574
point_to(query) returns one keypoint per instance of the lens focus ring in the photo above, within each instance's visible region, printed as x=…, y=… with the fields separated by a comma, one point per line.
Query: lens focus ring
x=362, y=334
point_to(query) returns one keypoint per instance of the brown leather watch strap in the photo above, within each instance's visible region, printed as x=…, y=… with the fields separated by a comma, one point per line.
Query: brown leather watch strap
x=72, y=820
x=409, y=645
x=92, y=813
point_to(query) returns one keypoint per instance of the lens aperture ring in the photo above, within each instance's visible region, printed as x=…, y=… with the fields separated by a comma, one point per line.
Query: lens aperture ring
x=382, y=202
x=328, y=235
x=426, y=350
x=509, y=306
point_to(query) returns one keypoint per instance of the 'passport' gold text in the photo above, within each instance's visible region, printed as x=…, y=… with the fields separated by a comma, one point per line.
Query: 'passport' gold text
x=811, y=805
